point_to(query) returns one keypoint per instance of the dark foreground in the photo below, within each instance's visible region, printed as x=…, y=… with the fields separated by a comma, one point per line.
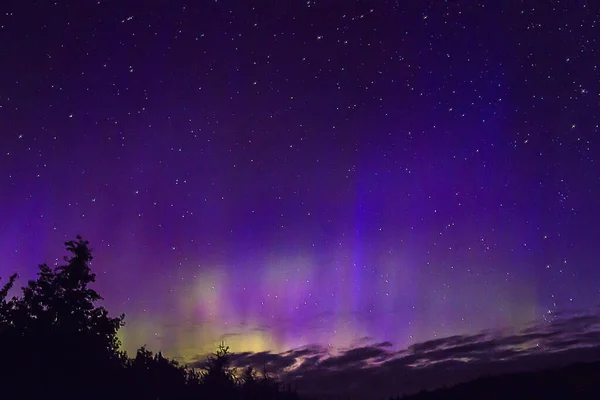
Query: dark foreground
x=578, y=381
x=57, y=343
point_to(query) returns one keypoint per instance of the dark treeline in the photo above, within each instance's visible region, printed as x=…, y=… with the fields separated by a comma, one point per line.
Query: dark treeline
x=57, y=343
x=577, y=381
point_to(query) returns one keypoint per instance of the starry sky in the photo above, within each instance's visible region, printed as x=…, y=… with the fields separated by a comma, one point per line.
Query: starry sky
x=283, y=174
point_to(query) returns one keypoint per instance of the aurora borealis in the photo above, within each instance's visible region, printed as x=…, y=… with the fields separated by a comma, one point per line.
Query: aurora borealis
x=294, y=173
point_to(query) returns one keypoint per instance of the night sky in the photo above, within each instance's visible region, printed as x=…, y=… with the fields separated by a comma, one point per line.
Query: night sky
x=278, y=174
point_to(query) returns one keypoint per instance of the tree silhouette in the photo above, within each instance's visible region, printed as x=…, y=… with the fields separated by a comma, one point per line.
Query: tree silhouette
x=155, y=376
x=218, y=376
x=57, y=342
x=4, y=305
x=55, y=331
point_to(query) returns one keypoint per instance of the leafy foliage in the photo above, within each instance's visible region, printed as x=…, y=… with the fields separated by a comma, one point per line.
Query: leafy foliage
x=57, y=342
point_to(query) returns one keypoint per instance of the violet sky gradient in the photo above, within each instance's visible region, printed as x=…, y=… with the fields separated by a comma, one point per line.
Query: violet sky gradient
x=279, y=174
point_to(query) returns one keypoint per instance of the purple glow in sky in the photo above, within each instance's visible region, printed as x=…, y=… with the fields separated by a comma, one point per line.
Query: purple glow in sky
x=306, y=172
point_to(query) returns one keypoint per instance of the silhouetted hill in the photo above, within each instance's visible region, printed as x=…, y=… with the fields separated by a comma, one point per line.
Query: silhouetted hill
x=577, y=381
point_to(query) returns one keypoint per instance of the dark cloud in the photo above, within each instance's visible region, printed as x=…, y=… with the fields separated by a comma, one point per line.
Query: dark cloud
x=356, y=371
x=589, y=337
x=305, y=351
x=445, y=342
x=264, y=359
x=355, y=357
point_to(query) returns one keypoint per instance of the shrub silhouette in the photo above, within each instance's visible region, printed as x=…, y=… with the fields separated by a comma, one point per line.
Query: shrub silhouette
x=56, y=342
x=55, y=334
x=218, y=376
